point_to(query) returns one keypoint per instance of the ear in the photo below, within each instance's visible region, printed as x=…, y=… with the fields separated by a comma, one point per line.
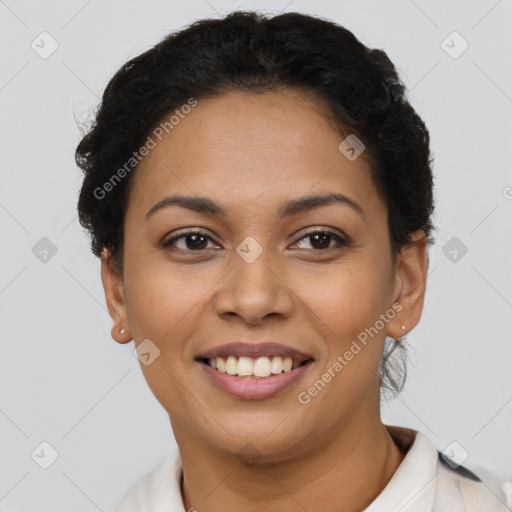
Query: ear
x=410, y=285
x=114, y=294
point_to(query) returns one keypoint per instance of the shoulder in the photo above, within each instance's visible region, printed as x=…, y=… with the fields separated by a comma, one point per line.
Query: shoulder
x=158, y=489
x=460, y=489
x=438, y=484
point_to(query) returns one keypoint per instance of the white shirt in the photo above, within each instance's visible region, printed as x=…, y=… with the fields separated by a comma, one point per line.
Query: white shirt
x=423, y=482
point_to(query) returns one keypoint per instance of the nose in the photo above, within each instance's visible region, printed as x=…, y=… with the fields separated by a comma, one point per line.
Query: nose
x=254, y=290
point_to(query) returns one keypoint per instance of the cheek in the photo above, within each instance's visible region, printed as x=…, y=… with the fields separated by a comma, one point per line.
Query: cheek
x=346, y=298
x=348, y=301
x=162, y=302
x=163, y=308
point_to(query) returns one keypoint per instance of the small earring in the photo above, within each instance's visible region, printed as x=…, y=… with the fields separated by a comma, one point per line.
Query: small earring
x=403, y=327
x=122, y=331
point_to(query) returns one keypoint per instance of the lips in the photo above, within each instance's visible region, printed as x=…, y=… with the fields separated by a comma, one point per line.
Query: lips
x=254, y=371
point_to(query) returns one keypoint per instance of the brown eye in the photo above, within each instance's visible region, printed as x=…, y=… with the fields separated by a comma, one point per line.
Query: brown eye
x=321, y=240
x=192, y=241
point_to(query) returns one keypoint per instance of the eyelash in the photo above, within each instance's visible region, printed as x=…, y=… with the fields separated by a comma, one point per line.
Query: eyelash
x=341, y=241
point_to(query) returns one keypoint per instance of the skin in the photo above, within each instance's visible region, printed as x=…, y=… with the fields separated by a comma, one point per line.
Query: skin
x=251, y=153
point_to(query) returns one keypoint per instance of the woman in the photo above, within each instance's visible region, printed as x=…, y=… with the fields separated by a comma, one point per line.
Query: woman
x=260, y=193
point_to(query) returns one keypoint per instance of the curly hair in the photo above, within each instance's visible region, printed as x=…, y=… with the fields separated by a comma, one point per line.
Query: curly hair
x=249, y=51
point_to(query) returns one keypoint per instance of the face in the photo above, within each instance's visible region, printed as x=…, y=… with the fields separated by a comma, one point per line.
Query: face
x=313, y=279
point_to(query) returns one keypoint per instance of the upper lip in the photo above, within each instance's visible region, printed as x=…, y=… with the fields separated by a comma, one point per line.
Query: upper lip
x=254, y=350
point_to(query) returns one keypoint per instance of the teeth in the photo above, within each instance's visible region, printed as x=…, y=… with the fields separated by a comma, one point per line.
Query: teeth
x=262, y=367
x=277, y=364
x=287, y=364
x=247, y=367
x=231, y=365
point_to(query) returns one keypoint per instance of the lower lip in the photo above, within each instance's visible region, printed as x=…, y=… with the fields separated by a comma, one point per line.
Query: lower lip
x=257, y=388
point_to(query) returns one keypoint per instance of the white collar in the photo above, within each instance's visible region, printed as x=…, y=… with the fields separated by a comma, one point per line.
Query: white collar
x=413, y=485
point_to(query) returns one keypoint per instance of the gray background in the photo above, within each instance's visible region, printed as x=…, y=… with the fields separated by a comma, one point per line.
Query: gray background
x=63, y=379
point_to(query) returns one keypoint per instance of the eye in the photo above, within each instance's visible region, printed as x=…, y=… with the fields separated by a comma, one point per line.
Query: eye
x=321, y=239
x=193, y=240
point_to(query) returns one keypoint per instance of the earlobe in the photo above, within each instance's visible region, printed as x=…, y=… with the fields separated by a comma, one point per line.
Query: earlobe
x=120, y=335
x=412, y=268
x=114, y=296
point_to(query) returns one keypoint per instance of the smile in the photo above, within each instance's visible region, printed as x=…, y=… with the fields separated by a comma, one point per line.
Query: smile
x=251, y=386
x=248, y=367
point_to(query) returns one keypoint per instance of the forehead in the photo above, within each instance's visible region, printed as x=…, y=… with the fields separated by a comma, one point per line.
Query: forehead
x=245, y=146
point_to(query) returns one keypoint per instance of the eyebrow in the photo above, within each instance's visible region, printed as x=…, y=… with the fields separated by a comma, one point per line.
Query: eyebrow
x=287, y=209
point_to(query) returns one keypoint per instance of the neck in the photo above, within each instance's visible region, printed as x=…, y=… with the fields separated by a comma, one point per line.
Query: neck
x=352, y=468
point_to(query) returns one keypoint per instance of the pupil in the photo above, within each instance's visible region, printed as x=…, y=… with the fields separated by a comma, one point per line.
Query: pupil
x=323, y=238
x=320, y=241
x=195, y=238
